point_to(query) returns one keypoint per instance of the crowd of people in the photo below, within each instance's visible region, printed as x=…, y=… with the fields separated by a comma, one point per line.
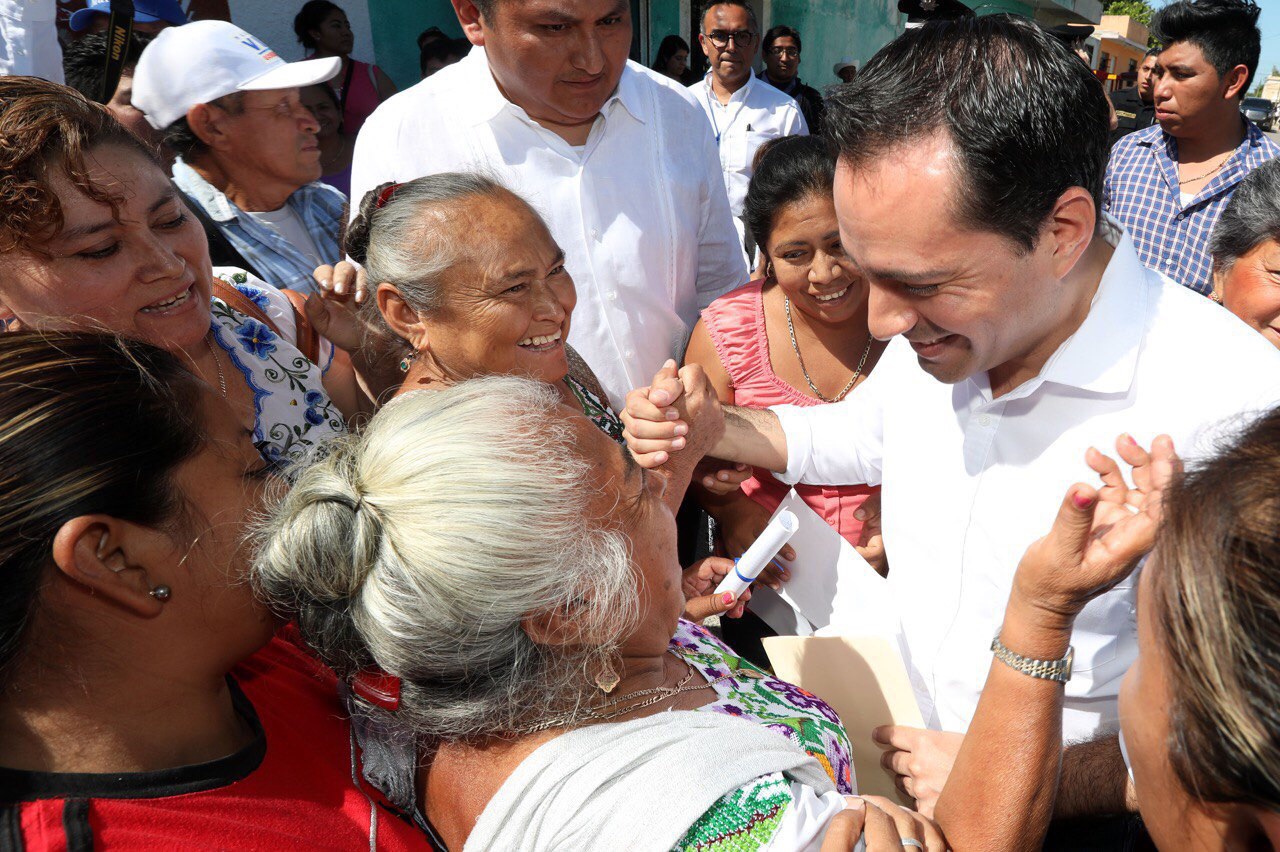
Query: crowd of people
x=402, y=403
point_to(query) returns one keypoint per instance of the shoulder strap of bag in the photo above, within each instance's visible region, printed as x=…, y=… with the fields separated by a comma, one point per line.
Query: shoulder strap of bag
x=308, y=339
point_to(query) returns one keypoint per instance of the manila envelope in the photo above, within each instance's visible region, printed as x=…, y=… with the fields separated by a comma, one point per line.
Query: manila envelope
x=863, y=678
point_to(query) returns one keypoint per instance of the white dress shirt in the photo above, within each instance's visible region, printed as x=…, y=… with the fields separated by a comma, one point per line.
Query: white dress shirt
x=29, y=39
x=755, y=114
x=640, y=211
x=970, y=481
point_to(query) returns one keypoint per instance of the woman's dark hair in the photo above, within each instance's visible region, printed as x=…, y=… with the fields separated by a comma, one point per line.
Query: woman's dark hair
x=1214, y=595
x=1251, y=217
x=1226, y=31
x=1026, y=118
x=787, y=170
x=670, y=46
x=89, y=424
x=310, y=17
x=49, y=129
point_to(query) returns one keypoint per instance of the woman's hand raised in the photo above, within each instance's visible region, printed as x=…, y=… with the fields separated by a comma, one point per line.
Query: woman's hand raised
x=1100, y=534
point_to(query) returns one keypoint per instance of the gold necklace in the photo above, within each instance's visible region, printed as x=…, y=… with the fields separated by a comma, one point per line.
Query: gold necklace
x=1209, y=173
x=597, y=714
x=217, y=362
x=791, y=330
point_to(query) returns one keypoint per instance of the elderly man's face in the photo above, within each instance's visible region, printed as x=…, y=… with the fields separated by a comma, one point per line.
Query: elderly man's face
x=274, y=135
x=729, y=41
x=559, y=60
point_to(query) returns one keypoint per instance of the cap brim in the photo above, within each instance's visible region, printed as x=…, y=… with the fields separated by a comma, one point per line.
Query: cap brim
x=80, y=18
x=294, y=75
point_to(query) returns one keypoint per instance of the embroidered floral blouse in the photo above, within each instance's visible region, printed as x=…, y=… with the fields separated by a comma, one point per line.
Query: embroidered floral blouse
x=292, y=411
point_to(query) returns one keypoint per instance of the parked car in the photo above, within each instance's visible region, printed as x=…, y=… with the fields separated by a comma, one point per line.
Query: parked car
x=1260, y=111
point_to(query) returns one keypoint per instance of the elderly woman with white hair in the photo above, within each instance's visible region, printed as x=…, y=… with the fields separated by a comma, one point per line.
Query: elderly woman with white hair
x=1246, y=252
x=497, y=582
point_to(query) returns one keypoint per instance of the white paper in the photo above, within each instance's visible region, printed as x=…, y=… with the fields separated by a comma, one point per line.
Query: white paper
x=832, y=587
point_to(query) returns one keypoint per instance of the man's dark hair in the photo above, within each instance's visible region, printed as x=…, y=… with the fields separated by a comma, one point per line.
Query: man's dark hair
x=84, y=60
x=1028, y=120
x=183, y=141
x=1151, y=51
x=711, y=4
x=1226, y=31
x=780, y=31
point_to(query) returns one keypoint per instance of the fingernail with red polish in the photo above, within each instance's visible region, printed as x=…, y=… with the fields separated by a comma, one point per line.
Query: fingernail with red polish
x=1082, y=501
x=727, y=597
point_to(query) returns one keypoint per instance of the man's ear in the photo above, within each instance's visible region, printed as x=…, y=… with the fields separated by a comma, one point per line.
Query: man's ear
x=469, y=18
x=1234, y=81
x=208, y=123
x=1071, y=228
x=94, y=552
x=403, y=320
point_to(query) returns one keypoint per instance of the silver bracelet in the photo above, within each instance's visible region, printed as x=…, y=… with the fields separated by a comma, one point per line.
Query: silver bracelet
x=1056, y=670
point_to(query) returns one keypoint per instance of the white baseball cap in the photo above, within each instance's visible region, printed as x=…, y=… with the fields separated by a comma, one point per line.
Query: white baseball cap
x=205, y=60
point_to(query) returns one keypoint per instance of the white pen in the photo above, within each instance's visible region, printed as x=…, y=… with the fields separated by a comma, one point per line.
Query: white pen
x=761, y=552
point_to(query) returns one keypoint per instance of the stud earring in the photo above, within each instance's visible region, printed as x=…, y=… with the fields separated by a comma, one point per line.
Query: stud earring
x=161, y=593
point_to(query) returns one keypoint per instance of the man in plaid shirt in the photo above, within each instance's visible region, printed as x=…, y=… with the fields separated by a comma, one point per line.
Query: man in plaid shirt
x=1169, y=183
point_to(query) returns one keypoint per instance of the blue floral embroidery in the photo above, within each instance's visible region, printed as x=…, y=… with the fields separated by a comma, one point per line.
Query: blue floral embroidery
x=253, y=294
x=256, y=338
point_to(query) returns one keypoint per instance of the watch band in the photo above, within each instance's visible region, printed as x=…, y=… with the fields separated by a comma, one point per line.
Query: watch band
x=1056, y=670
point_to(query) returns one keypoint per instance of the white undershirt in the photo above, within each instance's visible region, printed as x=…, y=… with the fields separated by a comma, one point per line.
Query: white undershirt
x=1187, y=197
x=288, y=225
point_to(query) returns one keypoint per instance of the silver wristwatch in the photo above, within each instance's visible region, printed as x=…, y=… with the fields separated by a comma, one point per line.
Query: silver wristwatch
x=1057, y=670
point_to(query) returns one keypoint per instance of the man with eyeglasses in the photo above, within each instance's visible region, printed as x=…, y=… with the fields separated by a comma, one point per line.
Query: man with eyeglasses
x=781, y=70
x=744, y=112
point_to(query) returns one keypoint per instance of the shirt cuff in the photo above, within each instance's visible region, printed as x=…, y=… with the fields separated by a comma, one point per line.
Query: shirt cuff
x=799, y=440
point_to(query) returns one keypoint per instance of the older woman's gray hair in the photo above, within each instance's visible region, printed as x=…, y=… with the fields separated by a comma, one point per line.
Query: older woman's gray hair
x=409, y=234
x=1251, y=217
x=421, y=547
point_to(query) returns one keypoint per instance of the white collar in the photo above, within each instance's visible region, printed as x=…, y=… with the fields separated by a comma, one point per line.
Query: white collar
x=1102, y=355
x=740, y=95
x=479, y=100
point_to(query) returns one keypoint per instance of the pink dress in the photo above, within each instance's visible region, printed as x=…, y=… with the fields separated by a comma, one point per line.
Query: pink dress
x=735, y=322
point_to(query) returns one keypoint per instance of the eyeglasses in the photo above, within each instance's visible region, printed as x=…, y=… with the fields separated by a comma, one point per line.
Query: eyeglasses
x=721, y=39
x=784, y=51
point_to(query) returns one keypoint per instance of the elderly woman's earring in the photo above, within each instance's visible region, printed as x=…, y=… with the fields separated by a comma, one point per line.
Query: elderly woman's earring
x=161, y=593
x=607, y=680
x=405, y=363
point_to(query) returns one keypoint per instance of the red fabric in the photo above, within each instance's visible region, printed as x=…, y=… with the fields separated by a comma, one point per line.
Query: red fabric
x=300, y=797
x=362, y=99
x=736, y=324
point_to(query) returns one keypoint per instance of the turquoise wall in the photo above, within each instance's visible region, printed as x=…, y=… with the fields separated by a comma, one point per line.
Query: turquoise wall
x=830, y=29
x=396, y=24
x=833, y=29
x=665, y=19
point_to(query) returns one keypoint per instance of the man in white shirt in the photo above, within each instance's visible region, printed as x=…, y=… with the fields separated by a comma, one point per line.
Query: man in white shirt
x=1028, y=333
x=616, y=159
x=29, y=39
x=744, y=112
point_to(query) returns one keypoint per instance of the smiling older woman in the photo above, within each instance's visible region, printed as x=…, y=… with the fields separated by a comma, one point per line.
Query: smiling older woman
x=1246, y=252
x=498, y=582
x=469, y=277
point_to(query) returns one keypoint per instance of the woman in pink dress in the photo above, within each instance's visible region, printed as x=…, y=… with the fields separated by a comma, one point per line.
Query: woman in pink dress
x=798, y=336
x=323, y=29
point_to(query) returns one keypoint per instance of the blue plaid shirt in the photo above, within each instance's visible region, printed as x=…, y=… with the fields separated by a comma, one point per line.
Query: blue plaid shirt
x=281, y=264
x=1141, y=191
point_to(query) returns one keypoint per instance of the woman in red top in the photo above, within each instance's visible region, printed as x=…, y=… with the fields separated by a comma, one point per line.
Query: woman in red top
x=797, y=337
x=144, y=702
x=323, y=29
